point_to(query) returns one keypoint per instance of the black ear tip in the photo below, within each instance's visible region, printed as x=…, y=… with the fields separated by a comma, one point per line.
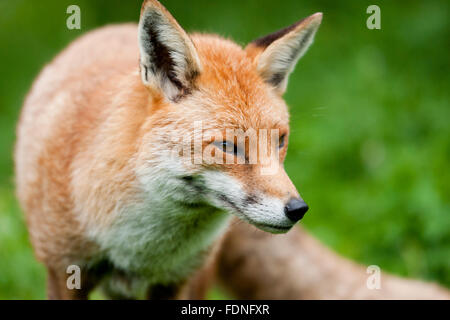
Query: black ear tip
x=265, y=41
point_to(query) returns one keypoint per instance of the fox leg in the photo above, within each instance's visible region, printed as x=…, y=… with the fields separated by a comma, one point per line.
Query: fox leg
x=256, y=265
x=195, y=288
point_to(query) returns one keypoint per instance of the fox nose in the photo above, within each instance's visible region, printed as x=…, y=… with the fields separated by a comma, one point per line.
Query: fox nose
x=295, y=209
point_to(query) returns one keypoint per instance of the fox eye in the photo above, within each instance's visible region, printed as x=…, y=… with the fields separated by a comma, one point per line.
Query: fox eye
x=227, y=146
x=282, y=141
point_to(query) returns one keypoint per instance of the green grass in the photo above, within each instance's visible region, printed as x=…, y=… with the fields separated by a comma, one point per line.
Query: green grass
x=20, y=276
x=370, y=143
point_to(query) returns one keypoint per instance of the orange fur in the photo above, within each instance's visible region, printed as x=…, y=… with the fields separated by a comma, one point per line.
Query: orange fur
x=94, y=120
x=86, y=117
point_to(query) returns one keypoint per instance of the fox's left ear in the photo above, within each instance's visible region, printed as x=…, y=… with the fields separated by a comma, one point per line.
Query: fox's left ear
x=276, y=54
x=168, y=58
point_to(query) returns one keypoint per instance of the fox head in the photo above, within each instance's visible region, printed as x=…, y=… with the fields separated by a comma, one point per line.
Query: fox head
x=202, y=88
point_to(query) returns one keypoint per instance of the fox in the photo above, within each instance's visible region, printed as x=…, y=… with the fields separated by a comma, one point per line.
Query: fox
x=103, y=185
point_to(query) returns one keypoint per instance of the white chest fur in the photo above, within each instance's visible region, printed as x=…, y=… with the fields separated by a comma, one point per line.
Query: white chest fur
x=162, y=243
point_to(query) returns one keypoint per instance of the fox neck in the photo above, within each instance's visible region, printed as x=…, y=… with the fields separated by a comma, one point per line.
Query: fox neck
x=164, y=242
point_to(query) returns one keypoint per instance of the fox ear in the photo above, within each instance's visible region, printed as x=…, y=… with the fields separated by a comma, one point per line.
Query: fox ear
x=276, y=54
x=168, y=58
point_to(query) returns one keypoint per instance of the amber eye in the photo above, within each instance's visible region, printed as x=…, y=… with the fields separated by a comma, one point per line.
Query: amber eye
x=227, y=146
x=282, y=141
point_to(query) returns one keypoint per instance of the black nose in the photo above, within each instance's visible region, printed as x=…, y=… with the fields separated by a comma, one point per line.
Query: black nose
x=295, y=209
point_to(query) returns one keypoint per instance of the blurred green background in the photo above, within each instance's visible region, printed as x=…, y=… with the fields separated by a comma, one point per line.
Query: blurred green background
x=370, y=144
